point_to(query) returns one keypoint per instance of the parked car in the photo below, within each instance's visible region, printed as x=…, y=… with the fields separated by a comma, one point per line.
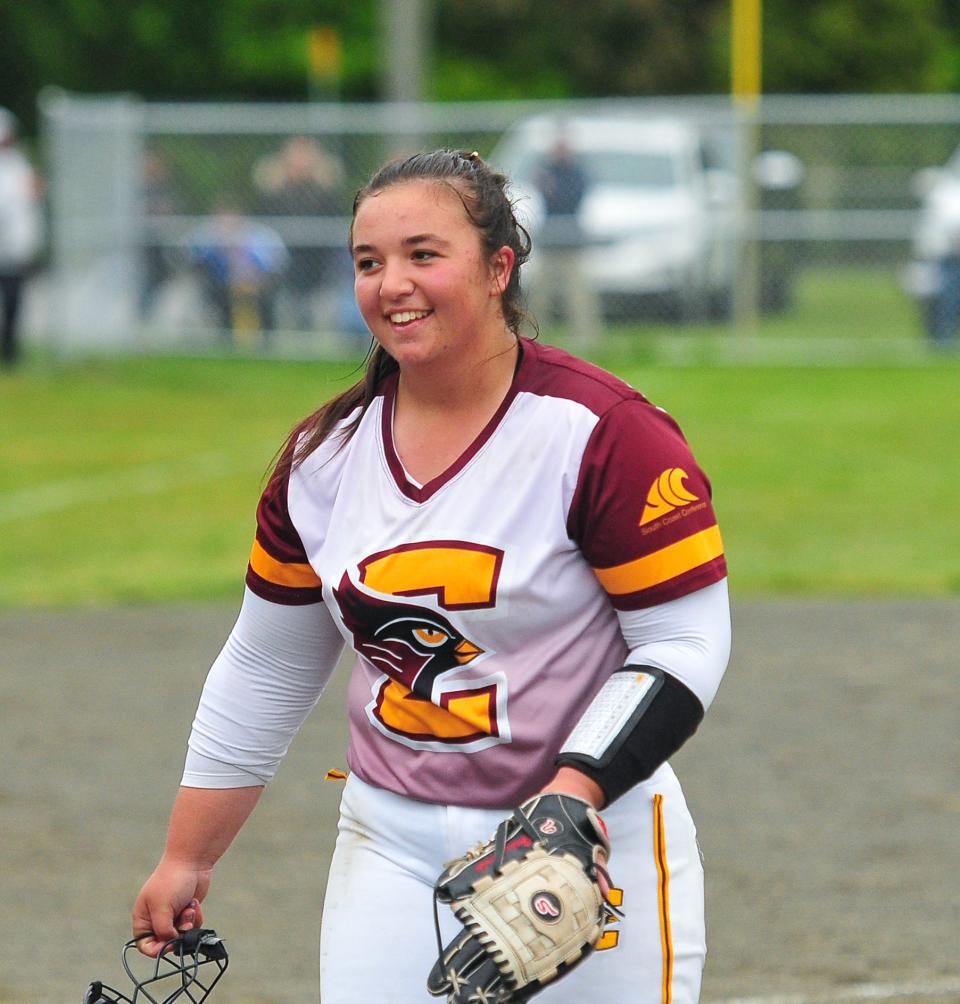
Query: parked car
x=658, y=218
x=663, y=216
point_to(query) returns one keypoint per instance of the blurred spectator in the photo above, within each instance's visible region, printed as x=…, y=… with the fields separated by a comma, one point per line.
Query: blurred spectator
x=160, y=198
x=304, y=184
x=563, y=183
x=945, y=309
x=20, y=234
x=779, y=177
x=241, y=264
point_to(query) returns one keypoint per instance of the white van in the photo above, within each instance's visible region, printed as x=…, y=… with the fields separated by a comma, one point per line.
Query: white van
x=658, y=220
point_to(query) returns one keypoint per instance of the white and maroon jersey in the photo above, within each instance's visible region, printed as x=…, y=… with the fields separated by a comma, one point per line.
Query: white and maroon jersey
x=482, y=605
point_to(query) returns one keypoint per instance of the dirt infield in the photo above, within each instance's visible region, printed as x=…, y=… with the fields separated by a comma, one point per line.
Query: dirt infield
x=824, y=782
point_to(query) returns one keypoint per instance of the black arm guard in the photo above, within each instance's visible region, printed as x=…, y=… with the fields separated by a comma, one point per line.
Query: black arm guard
x=657, y=729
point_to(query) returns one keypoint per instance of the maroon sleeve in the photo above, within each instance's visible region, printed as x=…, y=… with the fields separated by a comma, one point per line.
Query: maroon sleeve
x=642, y=512
x=279, y=570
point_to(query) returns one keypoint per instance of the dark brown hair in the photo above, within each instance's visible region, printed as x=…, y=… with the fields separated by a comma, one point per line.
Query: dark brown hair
x=483, y=192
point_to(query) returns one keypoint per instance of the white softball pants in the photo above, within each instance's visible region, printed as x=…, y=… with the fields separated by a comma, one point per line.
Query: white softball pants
x=378, y=942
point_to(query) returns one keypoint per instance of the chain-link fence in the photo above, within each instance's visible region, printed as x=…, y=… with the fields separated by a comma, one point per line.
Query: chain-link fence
x=203, y=225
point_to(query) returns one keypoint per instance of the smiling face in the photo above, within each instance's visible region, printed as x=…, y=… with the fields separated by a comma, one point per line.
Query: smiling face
x=424, y=283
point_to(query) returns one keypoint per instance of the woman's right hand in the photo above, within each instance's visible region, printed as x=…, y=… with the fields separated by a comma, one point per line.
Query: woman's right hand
x=203, y=823
x=168, y=904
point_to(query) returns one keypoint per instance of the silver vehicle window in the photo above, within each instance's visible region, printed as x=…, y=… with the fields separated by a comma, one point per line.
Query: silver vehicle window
x=619, y=168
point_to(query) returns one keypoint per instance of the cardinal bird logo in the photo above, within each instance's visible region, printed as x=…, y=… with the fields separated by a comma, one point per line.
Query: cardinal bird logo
x=412, y=645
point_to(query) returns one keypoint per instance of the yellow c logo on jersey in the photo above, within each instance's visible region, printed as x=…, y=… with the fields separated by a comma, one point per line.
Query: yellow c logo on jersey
x=667, y=493
x=422, y=700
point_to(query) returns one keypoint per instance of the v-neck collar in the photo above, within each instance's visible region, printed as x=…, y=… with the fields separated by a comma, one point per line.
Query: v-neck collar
x=425, y=492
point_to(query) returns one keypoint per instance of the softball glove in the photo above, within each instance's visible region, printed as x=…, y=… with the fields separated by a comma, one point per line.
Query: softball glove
x=529, y=900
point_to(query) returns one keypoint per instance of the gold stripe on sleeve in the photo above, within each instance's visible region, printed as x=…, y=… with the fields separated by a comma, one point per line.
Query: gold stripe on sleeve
x=280, y=573
x=663, y=898
x=668, y=562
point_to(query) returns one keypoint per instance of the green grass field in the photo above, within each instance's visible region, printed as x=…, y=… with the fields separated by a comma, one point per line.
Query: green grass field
x=136, y=480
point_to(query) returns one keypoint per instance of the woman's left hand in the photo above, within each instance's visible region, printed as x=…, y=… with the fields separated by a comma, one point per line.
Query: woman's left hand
x=570, y=781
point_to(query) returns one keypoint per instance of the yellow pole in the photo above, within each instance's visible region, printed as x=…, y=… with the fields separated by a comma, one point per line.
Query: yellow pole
x=745, y=50
x=324, y=62
x=746, y=45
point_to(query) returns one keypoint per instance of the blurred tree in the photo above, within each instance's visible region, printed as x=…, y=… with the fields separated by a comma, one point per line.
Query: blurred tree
x=949, y=60
x=178, y=49
x=484, y=49
x=526, y=48
x=871, y=46
x=516, y=48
